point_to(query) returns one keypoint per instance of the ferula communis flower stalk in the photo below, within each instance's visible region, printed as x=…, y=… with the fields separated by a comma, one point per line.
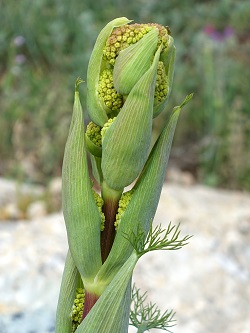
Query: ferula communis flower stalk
x=129, y=80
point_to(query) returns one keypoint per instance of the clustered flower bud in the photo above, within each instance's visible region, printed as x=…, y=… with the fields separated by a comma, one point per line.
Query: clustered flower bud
x=94, y=136
x=99, y=203
x=123, y=204
x=115, y=73
x=123, y=37
x=161, y=86
x=120, y=39
x=107, y=92
x=77, y=309
x=106, y=126
x=93, y=132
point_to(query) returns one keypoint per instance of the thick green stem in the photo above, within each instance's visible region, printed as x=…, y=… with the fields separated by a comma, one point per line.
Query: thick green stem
x=111, y=200
x=90, y=300
x=108, y=234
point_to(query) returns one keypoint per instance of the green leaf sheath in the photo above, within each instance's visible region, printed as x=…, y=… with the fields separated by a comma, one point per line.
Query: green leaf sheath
x=67, y=295
x=169, y=62
x=123, y=322
x=126, y=142
x=135, y=59
x=111, y=304
x=144, y=202
x=81, y=214
x=96, y=168
x=95, y=108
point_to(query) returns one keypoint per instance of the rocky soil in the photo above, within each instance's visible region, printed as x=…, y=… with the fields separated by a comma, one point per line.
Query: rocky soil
x=207, y=282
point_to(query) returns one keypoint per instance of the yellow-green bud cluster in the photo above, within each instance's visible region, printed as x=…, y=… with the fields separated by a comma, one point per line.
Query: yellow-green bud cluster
x=123, y=204
x=106, y=126
x=163, y=38
x=107, y=92
x=93, y=131
x=77, y=309
x=121, y=38
x=124, y=36
x=99, y=202
x=161, y=87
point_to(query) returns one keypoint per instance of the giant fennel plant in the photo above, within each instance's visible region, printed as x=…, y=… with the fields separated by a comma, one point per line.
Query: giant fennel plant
x=129, y=79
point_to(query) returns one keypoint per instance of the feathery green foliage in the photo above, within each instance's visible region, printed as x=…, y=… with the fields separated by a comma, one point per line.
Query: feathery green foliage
x=146, y=316
x=157, y=239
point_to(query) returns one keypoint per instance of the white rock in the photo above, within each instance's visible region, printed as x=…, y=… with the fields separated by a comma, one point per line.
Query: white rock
x=180, y=177
x=36, y=210
x=11, y=211
x=55, y=186
x=11, y=190
x=55, y=192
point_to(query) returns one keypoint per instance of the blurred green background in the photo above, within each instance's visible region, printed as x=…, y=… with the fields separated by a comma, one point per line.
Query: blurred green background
x=45, y=45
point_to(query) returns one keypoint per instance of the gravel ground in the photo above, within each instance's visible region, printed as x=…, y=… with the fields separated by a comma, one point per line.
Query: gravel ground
x=207, y=282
